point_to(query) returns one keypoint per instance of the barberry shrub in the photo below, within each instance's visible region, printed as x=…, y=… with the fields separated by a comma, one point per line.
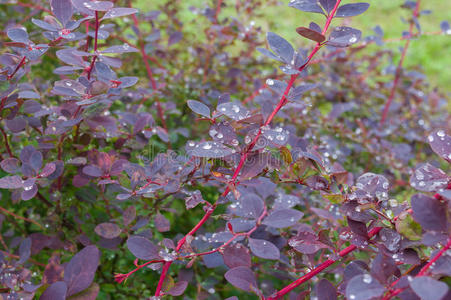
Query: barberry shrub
x=145, y=156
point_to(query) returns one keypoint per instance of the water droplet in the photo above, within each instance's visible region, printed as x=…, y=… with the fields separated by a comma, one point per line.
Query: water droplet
x=367, y=278
x=393, y=202
x=28, y=188
x=235, y=108
x=352, y=297
x=430, y=138
x=421, y=183
x=207, y=146
x=269, y=82
x=385, y=185
x=280, y=137
x=219, y=135
x=441, y=133
x=353, y=39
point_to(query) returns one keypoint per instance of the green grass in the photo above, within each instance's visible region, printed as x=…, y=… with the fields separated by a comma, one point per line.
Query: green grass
x=431, y=53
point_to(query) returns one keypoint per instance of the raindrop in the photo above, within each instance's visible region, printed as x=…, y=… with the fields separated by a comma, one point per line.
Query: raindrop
x=367, y=278
x=207, y=146
x=269, y=82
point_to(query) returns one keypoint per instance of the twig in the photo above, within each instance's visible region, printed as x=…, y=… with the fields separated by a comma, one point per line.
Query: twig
x=399, y=67
x=5, y=211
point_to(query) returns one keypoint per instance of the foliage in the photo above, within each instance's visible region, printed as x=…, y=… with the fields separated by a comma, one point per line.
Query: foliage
x=144, y=160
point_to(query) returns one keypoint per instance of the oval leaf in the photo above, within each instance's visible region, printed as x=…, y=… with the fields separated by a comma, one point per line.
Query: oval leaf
x=241, y=277
x=283, y=218
x=264, y=249
x=142, y=248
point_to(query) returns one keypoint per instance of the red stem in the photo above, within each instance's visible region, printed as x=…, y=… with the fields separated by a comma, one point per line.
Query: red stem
x=244, y=155
x=95, y=45
x=21, y=63
x=218, y=10
x=5, y=137
x=399, y=67
x=153, y=83
x=319, y=269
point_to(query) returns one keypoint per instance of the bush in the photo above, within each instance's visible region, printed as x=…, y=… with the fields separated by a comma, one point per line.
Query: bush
x=146, y=158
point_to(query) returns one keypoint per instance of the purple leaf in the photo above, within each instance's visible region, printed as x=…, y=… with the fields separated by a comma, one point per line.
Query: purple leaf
x=43, y=24
x=119, y=12
x=445, y=27
x=128, y=81
x=269, y=54
x=199, y=108
x=364, y=287
x=93, y=170
x=108, y=230
x=36, y=160
x=351, y=9
x=237, y=255
x=383, y=268
x=344, y=37
x=311, y=34
x=98, y=5
x=175, y=37
x=427, y=178
x=56, y=291
x=283, y=218
x=16, y=125
x=280, y=47
x=242, y=278
x=24, y=250
x=306, y=243
x=29, y=192
x=129, y=215
x=233, y=110
x=142, y=248
x=62, y=9
x=193, y=199
x=328, y=5
x=178, y=288
x=428, y=288
x=371, y=185
x=307, y=6
x=48, y=169
x=207, y=149
x=161, y=223
x=10, y=165
x=80, y=270
x=264, y=249
x=11, y=182
x=251, y=206
x=18, y=35
x=124, y=48
x=325, y=290
x=429, y=212
x=440, y=142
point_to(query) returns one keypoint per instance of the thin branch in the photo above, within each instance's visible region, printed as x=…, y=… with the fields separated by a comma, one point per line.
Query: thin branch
x=7, y=212
x=399, y=67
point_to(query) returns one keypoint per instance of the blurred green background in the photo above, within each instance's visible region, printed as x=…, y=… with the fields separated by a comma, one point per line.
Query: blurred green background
x=430, y=52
